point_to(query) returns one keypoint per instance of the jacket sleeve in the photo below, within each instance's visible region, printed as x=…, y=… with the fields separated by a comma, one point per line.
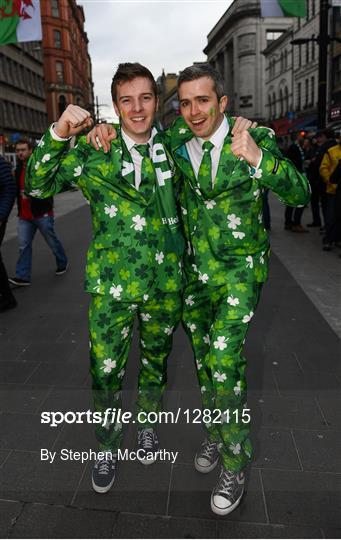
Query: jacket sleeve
x=7, y=190
x=280, y=175
x=54, y=167
x=326, y=167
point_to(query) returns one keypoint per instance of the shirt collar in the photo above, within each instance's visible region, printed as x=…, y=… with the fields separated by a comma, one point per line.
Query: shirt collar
x=130, y=143
x=219, y=135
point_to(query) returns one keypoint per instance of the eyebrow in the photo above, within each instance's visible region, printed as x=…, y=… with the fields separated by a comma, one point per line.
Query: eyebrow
x=144, y=94
x=195, y=97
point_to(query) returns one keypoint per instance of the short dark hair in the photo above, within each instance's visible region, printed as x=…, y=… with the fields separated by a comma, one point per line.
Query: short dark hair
x=127, y=72
x=24, y=141
x=204, y=69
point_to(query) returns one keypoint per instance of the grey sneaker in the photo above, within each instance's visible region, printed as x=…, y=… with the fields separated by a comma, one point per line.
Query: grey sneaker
x=147, y=444
x=228, y=492
x=103, y=474
x=207, y=457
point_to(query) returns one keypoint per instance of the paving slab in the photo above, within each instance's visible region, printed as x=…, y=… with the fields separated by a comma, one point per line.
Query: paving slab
x=319, y=450
x=9, y=511
x=303, y=498
x=52, y=521
x=131, y=525
x=24, y=477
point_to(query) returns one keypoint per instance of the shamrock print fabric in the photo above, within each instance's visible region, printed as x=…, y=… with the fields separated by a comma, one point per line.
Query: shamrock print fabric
x=223, y=226
x=111, y=327
x=133, y=251
x=216, y=320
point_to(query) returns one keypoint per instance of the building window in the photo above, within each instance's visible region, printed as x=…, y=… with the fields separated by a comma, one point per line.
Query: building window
x=313, y=8
x=271, y=35
x=307, y=53
x=307, y=7
x=299, y=96
x=306, y=92
x=274, y=104
x=61, y=104
x=313, y=48
x=270, y=106
x=286, y=59
x=60, y=72
x=286, y=100
x=337, y=71
x=299, y=56
x=281, y=102
x=312, y=91
x=57, y=39
x=54, y=8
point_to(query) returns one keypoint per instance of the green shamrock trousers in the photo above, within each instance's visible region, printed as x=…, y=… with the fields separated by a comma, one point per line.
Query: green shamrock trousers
x=216, y=320
x=110, y=327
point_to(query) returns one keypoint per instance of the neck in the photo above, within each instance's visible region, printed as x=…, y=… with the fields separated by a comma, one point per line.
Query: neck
x=139, y=138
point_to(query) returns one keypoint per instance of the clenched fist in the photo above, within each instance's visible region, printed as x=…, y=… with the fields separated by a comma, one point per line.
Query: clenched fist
x=73, y=120
x=244, y=146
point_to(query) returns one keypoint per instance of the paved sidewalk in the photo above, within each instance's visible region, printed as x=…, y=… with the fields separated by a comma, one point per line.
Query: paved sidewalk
x=294, y=378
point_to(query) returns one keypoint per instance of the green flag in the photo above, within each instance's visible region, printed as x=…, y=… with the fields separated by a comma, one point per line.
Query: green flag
x=283, y=8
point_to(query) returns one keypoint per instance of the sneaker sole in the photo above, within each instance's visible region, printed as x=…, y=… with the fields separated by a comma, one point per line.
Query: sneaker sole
x=18, y=284
x=60, y=273
x=146, y=461
x=100, y=489
x=205, y=470
x=225, y=511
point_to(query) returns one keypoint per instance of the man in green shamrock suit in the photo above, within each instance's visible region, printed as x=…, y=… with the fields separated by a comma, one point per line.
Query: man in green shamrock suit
x=224, y=174
x=226, y=260
x=134, y=260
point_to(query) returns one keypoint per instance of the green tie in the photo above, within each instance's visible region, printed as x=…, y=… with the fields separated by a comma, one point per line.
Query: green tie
x=147, y=171
x=205, y=170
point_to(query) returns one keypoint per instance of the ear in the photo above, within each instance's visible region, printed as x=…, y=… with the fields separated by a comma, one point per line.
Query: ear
x=223, y=103
x=117, y=111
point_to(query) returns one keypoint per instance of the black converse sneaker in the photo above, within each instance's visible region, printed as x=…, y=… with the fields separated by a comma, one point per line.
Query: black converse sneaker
x=147, y=446
x=228, y=492
x=103, y=473
x=207, y=457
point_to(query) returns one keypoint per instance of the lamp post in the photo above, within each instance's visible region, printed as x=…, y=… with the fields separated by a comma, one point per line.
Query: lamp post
x=323, y=41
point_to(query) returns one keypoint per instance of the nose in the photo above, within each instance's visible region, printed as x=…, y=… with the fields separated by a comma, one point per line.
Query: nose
x=137, y=105
x=194, y=108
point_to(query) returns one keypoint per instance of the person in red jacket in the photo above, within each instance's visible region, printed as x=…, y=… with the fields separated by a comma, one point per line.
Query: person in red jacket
x=34, y=214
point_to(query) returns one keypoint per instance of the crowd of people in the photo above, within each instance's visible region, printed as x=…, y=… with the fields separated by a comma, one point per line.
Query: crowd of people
x=319, y=157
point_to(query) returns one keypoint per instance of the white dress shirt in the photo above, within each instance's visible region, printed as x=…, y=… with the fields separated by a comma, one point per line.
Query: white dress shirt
x=195, y=151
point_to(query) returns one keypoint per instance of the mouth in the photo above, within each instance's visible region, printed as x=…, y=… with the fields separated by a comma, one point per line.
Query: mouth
x=138, y=119
x=198, y=123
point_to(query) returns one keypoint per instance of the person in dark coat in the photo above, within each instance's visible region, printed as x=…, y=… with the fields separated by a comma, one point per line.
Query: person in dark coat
x=7, y=198
x=293, y=216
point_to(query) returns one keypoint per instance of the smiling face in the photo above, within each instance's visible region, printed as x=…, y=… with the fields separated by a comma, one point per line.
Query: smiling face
x=136, y=105
x=200, y=106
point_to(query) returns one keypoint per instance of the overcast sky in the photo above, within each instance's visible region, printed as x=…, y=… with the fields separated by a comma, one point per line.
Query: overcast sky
x=161, y=34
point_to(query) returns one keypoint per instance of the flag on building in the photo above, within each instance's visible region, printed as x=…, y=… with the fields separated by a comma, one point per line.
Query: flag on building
x=20, y=21
x=283, y=8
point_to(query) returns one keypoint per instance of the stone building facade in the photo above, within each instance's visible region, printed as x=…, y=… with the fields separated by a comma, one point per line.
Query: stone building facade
x=235, y=46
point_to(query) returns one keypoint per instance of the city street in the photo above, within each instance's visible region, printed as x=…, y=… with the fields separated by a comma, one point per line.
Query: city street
x=294, y=381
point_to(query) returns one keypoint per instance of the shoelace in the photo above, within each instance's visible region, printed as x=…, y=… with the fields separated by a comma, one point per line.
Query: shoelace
x=208, y=450
x=226, y=481
x=146, y=438
x=103, y=466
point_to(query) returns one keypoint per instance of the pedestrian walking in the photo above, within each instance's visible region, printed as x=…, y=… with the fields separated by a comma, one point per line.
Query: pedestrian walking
x=33, y=214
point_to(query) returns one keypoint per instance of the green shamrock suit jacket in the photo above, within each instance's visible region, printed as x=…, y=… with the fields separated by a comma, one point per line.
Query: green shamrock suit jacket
x=226, y=239
x=130, y=255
